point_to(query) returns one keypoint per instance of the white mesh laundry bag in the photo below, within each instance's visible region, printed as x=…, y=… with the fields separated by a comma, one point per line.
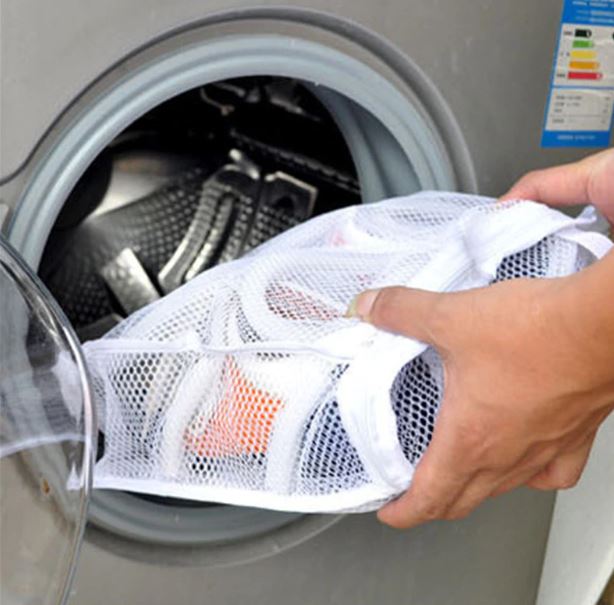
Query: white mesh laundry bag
x=248, y=385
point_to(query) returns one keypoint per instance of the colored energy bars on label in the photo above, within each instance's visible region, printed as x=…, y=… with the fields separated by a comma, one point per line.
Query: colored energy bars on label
x=583, y=64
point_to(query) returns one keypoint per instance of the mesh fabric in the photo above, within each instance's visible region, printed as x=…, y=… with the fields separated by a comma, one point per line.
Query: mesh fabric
x=249, y=386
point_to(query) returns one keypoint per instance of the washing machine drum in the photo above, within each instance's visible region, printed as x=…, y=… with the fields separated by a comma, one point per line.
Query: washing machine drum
x=248, y=385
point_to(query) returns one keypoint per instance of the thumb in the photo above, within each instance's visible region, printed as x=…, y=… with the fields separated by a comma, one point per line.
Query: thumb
x=406, y=311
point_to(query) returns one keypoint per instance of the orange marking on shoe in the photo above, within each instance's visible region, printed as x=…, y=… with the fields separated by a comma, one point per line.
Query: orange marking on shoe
x=242, y=422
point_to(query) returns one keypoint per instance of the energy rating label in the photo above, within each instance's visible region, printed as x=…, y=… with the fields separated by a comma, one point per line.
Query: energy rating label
x=581, y=101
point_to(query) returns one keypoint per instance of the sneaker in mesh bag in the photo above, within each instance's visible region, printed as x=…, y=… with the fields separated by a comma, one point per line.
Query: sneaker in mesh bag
x=249, y=386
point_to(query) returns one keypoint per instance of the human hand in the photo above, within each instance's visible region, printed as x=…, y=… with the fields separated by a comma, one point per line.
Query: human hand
x=589, y=181
x=529, y=377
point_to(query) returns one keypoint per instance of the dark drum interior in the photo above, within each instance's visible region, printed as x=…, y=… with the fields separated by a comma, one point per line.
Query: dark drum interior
x=198, y=181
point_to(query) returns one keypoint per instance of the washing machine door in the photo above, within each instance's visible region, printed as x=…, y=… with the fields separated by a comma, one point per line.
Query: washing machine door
x=47, y=440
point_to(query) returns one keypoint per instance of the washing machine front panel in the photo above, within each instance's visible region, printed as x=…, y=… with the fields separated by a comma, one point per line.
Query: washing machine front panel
x=480, y=71
x=489, y=60
x=478, y=561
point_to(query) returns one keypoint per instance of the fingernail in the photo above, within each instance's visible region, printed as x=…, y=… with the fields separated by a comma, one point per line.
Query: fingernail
x=361, y=305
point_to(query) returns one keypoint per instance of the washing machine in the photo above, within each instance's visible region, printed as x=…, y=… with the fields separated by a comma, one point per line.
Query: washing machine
x=113, y=115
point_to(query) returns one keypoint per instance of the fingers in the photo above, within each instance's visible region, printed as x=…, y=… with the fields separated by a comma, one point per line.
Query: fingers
x=476, y=491
x=559, y=186
x=437, y=482
x=589, y=181
x=440, y=498
x=523, y=473
x=565, y=470
x=438, y=493
x=513, y=481
x=432, y=492
x=406, y=311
